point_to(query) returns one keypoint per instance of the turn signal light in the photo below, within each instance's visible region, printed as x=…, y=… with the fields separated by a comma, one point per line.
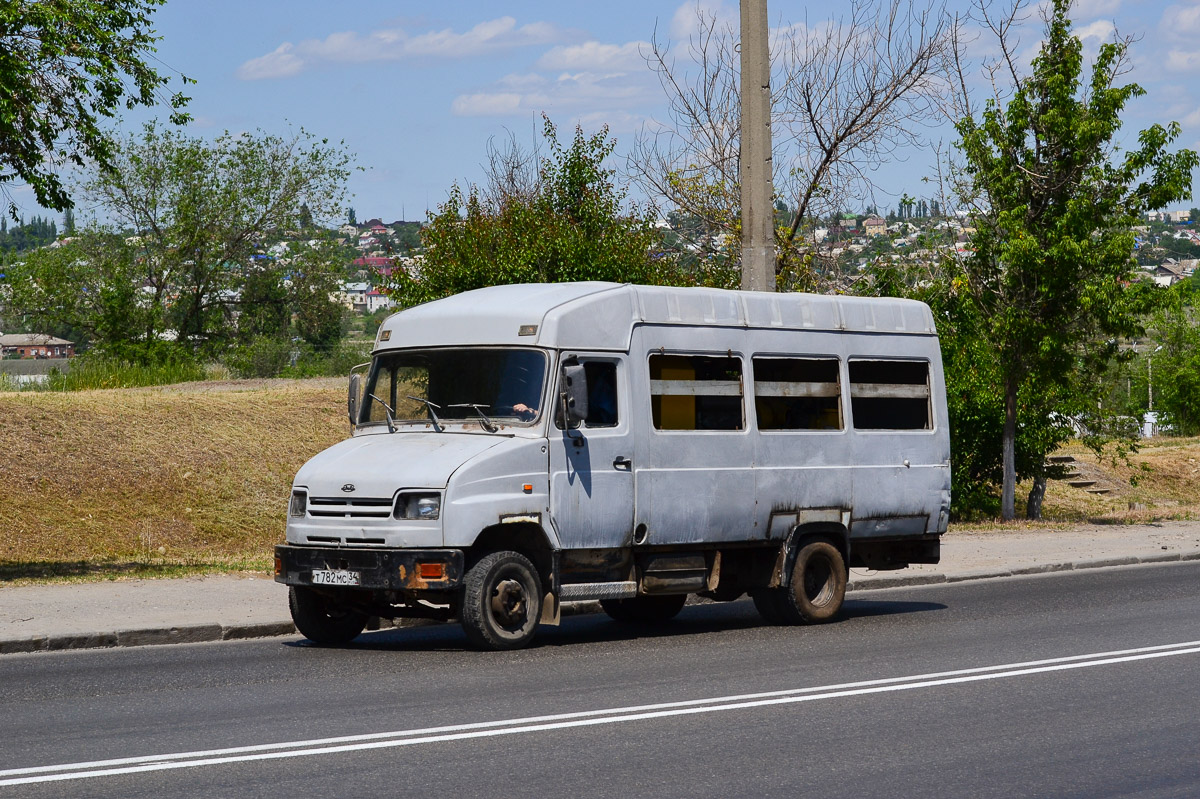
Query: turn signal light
x=432, y=571
x=278, y=565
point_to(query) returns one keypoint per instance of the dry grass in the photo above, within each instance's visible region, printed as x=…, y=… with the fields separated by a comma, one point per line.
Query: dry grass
x=193, y=478
x=1160, y=481
x=155, y=479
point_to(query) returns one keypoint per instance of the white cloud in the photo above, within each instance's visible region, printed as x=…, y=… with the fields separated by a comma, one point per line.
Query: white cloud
x=686, y=17
x=1090, y=9
x=394, y=44
x=1181, y=23
x=495, y=34
x=617, y=121
x=606, y=94
x=1101, y=30
x=595, y=55
x=1183, y=60
x=526, y=81
x=486, y=104
x=281, y=63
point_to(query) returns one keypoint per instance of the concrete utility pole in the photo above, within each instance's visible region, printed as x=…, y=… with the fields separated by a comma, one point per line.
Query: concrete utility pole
x=758, y=211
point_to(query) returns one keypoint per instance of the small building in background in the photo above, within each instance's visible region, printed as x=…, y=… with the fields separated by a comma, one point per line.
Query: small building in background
x=377, y=300
x=35, y=345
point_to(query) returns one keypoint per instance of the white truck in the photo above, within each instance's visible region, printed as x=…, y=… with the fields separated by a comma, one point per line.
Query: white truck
x=522, y=446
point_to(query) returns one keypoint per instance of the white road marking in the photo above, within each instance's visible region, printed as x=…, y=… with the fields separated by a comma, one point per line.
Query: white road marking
x=487, y=729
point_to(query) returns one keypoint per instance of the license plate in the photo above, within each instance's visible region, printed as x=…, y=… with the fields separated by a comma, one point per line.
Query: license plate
x=334, y=577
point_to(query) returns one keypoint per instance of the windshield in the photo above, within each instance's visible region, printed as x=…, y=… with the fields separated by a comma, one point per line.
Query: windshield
x=503, y=385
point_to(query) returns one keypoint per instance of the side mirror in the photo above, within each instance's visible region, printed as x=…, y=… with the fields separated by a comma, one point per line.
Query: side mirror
x=574, y=395
x=352, y=399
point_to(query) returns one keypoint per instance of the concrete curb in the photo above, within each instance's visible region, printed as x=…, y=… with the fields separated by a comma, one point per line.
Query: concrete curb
x=197, y=633
x=155, y=636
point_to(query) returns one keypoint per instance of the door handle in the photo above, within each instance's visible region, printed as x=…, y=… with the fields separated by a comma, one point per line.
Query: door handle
x=622, y=463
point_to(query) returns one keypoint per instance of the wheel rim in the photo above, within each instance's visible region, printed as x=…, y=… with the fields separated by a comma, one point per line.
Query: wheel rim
x=509, y=604
x=819, y=581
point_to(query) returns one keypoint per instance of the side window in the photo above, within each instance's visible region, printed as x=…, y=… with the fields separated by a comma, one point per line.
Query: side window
x=696, y=392
x=797, y=394
x=890, y=395
x=602, y=393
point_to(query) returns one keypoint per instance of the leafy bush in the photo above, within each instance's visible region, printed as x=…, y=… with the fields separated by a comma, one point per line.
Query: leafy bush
x=88, y=372
x=262, y=356
x=565, y=223
x=272, y=357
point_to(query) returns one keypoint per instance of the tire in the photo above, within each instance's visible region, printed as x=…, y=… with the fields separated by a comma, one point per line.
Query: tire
x=769, y=604
x=501, y=602
x=816, y=591
x=321, y=620
x=818, y=582
x=644, y=609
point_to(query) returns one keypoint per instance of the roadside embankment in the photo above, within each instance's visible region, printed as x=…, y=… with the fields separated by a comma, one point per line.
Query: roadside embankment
x=194, y=478
x=195, y=475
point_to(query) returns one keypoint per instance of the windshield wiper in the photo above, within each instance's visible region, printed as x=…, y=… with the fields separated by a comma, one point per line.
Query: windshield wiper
x=388, y=413
x=488, y=424
x=429, y=406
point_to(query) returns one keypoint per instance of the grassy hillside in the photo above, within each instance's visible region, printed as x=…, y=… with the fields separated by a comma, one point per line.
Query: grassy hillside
x=195, y=475
x=1159, y=481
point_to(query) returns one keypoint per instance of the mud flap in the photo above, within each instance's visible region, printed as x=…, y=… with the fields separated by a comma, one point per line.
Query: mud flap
x=551, y=611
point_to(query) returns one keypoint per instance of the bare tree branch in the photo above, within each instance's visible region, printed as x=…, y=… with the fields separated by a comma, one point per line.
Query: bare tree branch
x=849, y=93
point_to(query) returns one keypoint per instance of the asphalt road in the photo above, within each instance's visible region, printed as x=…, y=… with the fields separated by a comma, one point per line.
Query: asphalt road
x=1079, y=684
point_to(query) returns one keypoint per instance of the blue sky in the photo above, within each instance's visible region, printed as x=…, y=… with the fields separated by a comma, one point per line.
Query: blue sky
x=417, y=88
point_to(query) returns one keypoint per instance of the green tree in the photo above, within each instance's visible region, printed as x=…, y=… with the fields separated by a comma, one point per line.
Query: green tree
x=64, y=67
x=92, y=285
x=313, y=274
x=201, y=208
x=182, y=268
x=1176, y=363
x=1053, y=242
x=264, y=307
x=570, y=227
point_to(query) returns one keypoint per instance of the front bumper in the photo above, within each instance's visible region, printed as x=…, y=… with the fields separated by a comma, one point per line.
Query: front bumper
x=378, y=569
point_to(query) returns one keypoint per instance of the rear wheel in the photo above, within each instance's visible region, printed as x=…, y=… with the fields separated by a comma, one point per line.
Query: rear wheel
x=769, y=604
x=501, y=601
x=816, y=592
x=322, y=620
x=818, y=582
x=644, y=609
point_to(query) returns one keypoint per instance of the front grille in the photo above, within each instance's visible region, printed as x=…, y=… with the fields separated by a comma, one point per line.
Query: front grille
x=339, y=508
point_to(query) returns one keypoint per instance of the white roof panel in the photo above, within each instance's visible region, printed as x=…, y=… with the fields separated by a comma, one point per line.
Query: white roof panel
x=602, y=315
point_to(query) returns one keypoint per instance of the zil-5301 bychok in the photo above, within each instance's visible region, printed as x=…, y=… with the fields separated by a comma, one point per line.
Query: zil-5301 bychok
x=518, y=447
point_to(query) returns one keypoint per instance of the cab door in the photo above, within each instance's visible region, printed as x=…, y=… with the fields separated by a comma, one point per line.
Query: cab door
x=591, y=467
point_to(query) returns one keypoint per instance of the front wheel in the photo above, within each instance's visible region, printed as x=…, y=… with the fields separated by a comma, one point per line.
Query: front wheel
x=644, y=609
x=321, y=620
x=501, y=601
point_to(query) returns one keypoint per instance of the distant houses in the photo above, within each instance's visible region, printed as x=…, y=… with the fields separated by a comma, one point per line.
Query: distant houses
x=35, y=345
x=1171, y=271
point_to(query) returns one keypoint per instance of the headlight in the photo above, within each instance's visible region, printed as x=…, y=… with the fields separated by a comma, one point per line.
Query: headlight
x=299, y=504
x=414, y=506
